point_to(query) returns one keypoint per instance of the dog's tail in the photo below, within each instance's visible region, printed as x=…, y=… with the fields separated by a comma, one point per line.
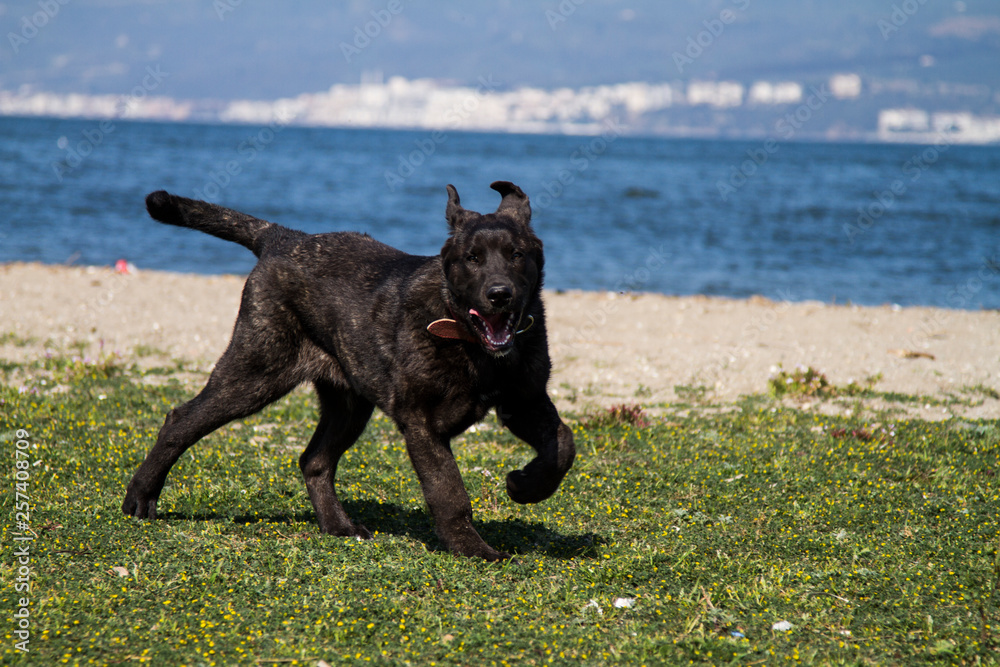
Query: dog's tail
x=248, y=231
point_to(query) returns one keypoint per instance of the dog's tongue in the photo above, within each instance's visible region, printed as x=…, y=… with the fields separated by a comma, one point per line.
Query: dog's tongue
x=493, y=321
x=497, y=327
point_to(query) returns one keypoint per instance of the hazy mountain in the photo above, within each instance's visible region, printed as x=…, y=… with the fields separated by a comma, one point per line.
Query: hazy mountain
x=227, y=49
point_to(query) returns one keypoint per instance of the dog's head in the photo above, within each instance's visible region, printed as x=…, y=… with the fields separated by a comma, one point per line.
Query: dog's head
x=493, y=267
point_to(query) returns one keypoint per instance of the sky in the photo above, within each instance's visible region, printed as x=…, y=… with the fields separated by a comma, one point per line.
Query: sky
x=241, y=49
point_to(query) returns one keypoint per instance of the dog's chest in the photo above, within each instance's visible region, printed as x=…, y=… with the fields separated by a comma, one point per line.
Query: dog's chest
x=489, y=397
x=494, y=379
x=475, y=385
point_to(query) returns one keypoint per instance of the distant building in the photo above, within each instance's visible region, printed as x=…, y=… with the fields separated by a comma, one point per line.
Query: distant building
x=845, y=86
x=951, y=127
x=903, y=120
x=783, y=92
x=721, y=94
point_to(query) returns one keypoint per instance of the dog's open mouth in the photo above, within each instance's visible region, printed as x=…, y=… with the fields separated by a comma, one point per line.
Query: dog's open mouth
x=496, y=331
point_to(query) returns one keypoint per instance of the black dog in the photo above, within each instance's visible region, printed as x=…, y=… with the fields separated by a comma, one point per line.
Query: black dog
x=434, y=342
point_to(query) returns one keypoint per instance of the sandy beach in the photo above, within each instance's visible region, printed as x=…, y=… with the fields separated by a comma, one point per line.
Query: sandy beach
x=607, y=349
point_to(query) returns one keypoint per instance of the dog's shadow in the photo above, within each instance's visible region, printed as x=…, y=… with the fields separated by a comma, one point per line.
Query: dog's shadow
x=515, y=536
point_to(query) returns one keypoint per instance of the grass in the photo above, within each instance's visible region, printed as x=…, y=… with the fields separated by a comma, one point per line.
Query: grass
x=806, y=382
x=763, y=535
x=624, y=415
x=11, y=338
x=981, y=390
x=692, y=394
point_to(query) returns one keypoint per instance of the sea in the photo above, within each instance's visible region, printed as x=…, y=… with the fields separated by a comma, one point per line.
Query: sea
x=856, y=223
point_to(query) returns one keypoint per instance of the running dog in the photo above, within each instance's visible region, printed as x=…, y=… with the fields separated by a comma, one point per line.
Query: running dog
x=434, y=342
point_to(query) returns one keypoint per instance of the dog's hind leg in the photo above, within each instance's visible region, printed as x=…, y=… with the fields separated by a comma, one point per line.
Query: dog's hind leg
x=343, y=416
x=184, y=426
x=220, y=402
x=244, y=382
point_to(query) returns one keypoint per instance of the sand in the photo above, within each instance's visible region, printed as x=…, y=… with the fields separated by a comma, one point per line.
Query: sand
x=667, y=353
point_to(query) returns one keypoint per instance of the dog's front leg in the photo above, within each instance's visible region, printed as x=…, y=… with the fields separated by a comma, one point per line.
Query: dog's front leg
x=445, y=493
x=537, y=423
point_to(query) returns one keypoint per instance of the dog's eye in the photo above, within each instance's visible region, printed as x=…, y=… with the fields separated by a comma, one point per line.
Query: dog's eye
x=516, y=255
x=473, y=258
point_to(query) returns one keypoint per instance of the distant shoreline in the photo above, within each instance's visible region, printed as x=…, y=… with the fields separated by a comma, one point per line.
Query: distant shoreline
x=917, y=138
x=763, y=109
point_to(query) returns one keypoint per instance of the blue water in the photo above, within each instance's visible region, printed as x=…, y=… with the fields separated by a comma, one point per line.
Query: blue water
x=615, y=212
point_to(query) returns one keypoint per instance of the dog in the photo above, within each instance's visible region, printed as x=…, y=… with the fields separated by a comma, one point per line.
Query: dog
x=434, y=342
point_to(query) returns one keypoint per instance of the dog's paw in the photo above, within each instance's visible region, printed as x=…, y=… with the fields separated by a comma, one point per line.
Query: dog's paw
x=473, y=546
x=524, y=488
x=496, y=556
x=486, y=552
x=350, y=530
x=139, y=507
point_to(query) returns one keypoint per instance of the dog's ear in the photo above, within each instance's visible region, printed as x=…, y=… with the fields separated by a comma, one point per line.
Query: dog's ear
x=514, y=203
x=456, y=215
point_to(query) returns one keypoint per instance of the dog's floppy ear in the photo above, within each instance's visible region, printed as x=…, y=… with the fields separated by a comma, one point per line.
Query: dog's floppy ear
x=514, y=203
x=456, y=215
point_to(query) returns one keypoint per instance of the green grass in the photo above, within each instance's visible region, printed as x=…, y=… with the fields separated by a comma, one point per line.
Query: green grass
x=877, y=542
x=807, y=382
x=11, y=338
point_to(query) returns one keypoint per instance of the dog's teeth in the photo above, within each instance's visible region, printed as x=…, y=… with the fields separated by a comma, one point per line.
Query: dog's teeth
x=496, y=334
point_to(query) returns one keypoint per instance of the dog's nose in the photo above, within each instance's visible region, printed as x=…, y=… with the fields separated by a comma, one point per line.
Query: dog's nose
x=499, y=296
